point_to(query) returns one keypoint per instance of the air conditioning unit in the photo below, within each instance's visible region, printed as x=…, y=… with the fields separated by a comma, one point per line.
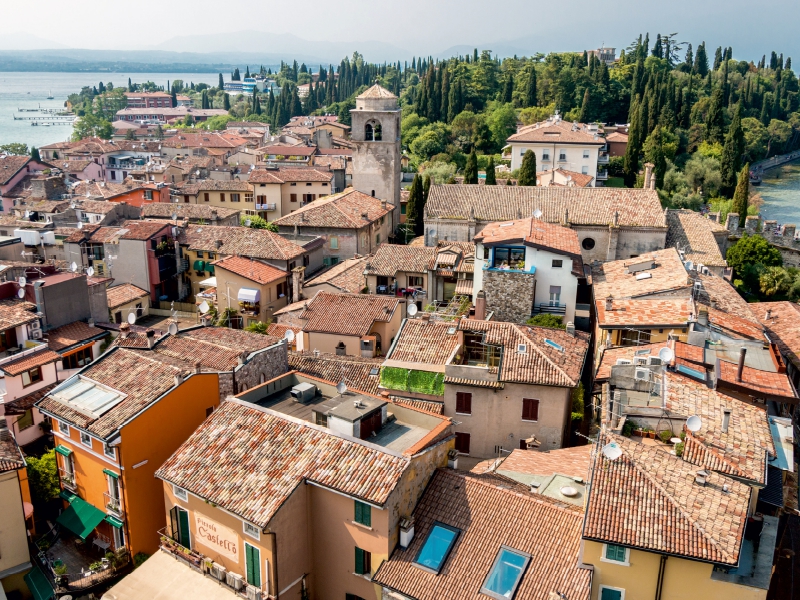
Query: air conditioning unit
x=36, y=334
x=623, y=361
x=640, y=360
x=653, y=360
x=235, y=581
x=36, y=325
x=253, y=593
x=641, y=374
x=218, y=571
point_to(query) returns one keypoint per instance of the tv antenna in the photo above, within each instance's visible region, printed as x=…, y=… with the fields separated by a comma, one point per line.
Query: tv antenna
x=172, y=329
x=537, y=214
x=20, y=293
x=80, y=224
x=204, y=307
x=73, y=267
x=289, y=336
x=22, y=281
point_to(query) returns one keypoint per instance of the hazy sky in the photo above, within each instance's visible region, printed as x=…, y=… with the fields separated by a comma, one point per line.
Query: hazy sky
x=420, y=26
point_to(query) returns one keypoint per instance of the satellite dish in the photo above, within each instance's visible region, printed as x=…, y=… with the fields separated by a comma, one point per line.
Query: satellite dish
x=289, y=335
x=20, y=293
x=666, y=354
x=412, y=310
x=131, y=318
x=694, y=423
x=172, y=329
x=537, y=214
x=80, y=224
x=204, y=307
x=341, y=387
x=90, y=271
x=73, y=267
x=612, y=451
x=22, y=281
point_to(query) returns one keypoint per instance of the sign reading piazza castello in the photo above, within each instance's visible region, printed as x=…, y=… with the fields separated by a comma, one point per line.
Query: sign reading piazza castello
x=220, y=538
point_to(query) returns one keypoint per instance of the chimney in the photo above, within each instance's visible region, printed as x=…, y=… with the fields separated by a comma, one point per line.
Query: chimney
x=648, y=174
x=242, y=358
x=198, y=367
x=571, y=328
x=652, y=183
x=178, y=379
x=702, y=316
x=91, y=322
x=742, y=354
x=383, y=204
x=480, y=306
x=124, y=330
x=218, y=244
x=151, y=338
x=610, y=303
x=298, y=277
x=5, y=434
x=768, y=316
x=406, y=532
x=726, y=420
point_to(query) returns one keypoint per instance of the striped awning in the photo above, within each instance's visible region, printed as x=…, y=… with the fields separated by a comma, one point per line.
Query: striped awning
x=464, y=286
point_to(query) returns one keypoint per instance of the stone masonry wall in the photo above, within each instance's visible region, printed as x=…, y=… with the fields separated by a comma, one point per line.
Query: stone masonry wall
x=785, y=238
x=510, y=295
x=265, y=365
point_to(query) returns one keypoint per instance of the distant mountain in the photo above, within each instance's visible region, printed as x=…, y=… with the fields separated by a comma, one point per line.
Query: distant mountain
x=26, y=41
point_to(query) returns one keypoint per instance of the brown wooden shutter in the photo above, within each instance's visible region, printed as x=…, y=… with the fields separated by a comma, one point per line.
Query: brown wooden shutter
x=462, y=442
x=464, y=403
x=293, y=197
x=530, y=409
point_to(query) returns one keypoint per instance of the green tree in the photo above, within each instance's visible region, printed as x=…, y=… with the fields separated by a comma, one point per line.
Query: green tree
x=530, y=89
x=226, y=101
x=471, y=170
x=741, y=197
x=414, y=212
x=130, y=135
x=585, y=107
x=221, y=83
x=15, y=149
x=491, y=175
x=35, y=154
x=256, y=222
x=654, y=152
x=257, y=327
x=774, y=280
x=731, y=162
x=527, y=172
x=715, y=124
x=633, y=149
x=752, y=250
x=43, y=477
x=547, y=320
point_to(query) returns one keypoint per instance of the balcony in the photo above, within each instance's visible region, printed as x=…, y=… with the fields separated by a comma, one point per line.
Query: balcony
x=602, y=176
x=113, y=505
x=28, y=347
x=268, y=207
x=67, y=479
x=550, y=308
x=603, y=158
x=250, y=309
x=511, y=269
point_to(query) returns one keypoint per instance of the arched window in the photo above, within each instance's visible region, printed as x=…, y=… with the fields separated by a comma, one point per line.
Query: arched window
x=368, y=132
x=378, y=132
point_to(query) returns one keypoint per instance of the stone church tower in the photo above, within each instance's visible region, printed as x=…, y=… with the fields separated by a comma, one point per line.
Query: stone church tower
x=375, y=130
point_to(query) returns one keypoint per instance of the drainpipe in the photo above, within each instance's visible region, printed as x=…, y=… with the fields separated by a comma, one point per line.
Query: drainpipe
x=662, y=567
x=274, y=563
x=742, y=354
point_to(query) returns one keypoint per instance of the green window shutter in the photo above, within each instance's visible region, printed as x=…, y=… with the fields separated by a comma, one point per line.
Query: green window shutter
x=608, y=594
x=359, y=561
x=616, y=553
x=363, y=514
x=183, y=528
x=253, y=564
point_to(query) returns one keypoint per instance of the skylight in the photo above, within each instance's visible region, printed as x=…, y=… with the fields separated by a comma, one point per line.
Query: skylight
x=645, y=275
x=437, y=546
x=506, y=573
x=553, y=344
x=691, y=372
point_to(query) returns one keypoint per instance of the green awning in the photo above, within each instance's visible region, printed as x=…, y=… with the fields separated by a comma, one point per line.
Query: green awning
x=111, y=473
x=114, y=521
x=38, y=584
x=81, y=518
x=68, y=496
x=63, y=450
x=199, y=265
x=210, y=269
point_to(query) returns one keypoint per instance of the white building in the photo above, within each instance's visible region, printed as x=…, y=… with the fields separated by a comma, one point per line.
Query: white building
x=557, y=144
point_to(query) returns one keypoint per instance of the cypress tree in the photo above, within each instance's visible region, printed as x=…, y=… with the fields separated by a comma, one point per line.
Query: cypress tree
x=491, y=176
x=471, y=169
x=226, y=102
x=35, y=152
x=247, y=71
x=527, y=172
x=689, y=60
x=174, y=97
x=445, y=109
x=633, y=148
x=508, y=88
x=773, y=60
x=414, y=212
x=731, y=162
x=426, y=189
x=130, y=85
x=717, y=58
x=452, y=103
x=530, y=90
x=701, y=60
x=657, y=47
x=585, y=107
x=654, y=152
x=714, y=119
x=741, y=197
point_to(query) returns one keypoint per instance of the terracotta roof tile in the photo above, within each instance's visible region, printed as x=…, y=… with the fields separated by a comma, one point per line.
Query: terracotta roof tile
x=695, y=234
x=210, y=350
x=10, y=456
x=774, y=386
x=733, y=324
x=29, y=361
x=559, y=132
x=430, y=406
x=345, y=210
x=723, y=296
x=573, y=462
x=346, y=276
x=425, y=342
x=253, y=270
x=122, y=294
x=347, y=314
x=242, y=241
x=667, y=312
x=586, y=206
x=648, y=499
x=191, y=211
x=354, y=370
x=782, y=320
x=14, y=313
x=10, y=166
x=391, y=258
x=22, y=404
x=144, y=230
x=71, y=334
x=249, y=460
x=629, y=278
x=532, y=232
x=578, y=179
x=490, y=513
x=376, y=91
x=610, y=357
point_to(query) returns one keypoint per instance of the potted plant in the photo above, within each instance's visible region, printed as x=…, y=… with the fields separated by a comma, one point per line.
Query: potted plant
x=96, y=566
x=666, y=436
x=60, y=571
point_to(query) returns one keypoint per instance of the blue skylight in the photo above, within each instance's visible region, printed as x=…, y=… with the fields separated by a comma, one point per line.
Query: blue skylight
x=434, y=551
x=553, y=344
x=691, y=372
x=506, y=573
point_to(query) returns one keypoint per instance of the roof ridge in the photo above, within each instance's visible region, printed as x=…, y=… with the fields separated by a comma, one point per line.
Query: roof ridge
x=547, y=358
x=689, y=519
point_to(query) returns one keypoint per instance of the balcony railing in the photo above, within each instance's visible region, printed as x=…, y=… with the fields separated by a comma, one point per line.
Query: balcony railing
x=602, y=175
x=603, y=159
x=113, y=505
x=67, y=478
x=269, y=206
x=31, y=347
x=551, y=308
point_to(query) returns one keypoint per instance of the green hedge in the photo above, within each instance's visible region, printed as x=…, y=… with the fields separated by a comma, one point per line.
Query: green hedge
x=421, y=382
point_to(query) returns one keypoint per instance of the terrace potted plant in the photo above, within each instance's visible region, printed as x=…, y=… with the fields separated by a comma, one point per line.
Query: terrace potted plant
x=61, y=576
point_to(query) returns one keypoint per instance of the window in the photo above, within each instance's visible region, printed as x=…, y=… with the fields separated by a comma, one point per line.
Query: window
x=236, y=197
x=148, y=194
x=414, y=281
x=633, y=337
x=26, y=420
x=403, y=208
x=308, y=184
x=180, y=493
x=464, y=403
x=179, y=526
x=530, y=409
x=292, y=197
x=252, y=556
x=321, y=419
x=555, y=295
x=614, y=553
x=251, y=530
x=557, y=264
x=377, y=238
x=462, y=442
x=437, y=547
x=506, y=573
x=334, y=242
x=609, y=593
x=584, y=170
x=545, y=155
x=587, y=243
x=248, y=197
x=31, y=377
x=205, y=196
x=63, y=427
x=199, y=255
x=109, y=451
x=508, y=258
x=585, y=154
x=363, y=514
x=363, y=562
x=222, y=197
x=562, y=156
x=86, y=439
x=78, y=359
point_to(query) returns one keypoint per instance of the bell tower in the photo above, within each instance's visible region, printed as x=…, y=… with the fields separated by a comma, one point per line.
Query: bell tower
x=375, y=130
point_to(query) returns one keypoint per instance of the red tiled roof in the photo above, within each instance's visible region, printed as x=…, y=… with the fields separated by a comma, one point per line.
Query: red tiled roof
x=347, y=314
x=764, y=384
x=72, y=334
x=610, y=357
x=783, y=327
x=532, y=232
x=425, y=342
x=10, y=166
x=29, y=361
x=346, y=276
x=391, y=258
x=573, y=462
x=355, y=371
x=345, y=210
x=14, y=313
x=122, y=294
x=615, y=279
x=558, y=132
x=667, y=312
x=248, y=460
x=253, y=270
x=241, y=241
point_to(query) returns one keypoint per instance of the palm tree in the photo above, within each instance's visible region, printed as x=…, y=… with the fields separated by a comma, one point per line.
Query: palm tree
x=774, y=280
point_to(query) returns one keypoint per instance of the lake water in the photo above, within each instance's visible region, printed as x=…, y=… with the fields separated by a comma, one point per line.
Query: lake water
x=30, y=90
x=781, y=194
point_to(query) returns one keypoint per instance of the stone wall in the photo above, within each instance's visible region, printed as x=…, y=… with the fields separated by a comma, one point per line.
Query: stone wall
x=262, y=366
x=510, y=295
x=785, y=238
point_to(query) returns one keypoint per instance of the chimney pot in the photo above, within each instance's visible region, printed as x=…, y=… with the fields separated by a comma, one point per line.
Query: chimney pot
x=198, y=367
x=610, y=303
x=742, y=354
x=480, y=306
x=726, y=420
x=571, y=328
